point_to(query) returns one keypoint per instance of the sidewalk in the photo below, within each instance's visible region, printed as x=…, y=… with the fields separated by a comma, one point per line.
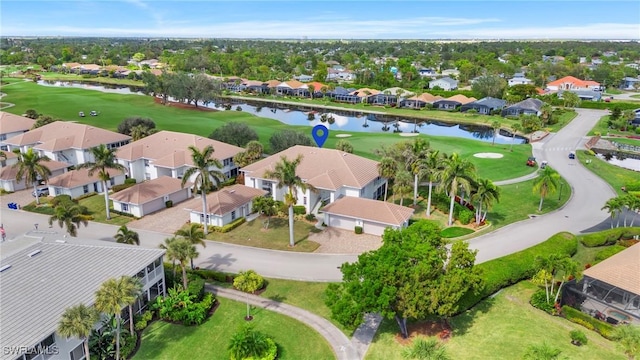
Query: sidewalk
x=342, y=347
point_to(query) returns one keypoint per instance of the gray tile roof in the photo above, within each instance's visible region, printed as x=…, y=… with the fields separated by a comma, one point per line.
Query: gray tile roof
x=36, y=290
x=492, y=103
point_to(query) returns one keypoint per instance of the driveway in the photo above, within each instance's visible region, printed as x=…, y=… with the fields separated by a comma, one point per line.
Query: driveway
x=337, y=241
x=164, y=221
x=22, y=198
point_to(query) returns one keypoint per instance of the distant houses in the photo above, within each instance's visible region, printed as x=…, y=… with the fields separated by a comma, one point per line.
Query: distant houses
x=445, y=83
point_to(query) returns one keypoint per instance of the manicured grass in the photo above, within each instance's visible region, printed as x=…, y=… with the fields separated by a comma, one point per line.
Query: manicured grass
x=276, y=237
x=613, y=91
x=454, y=231
x=95, y=204
x=209, y=341
x=502, y=328
x=623, y=140
x=563, y=120
x=616, y=176
x=602, y=128
x=65, y=103
x=635, y=96
x=587, y=255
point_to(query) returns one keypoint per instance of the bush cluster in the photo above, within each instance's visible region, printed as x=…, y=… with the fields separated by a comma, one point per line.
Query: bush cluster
x=310, y=217
x=195, y=286
x=143, y=320
x=591, y=323
x=182, y=307
x=358, y=229
x=299, y=210
x=230, y=226
x=122, y=213
x=579, y=337
x=130, y=181
x=539, y=301
x=213, y=275
x=116, y=188
x=608, y=252
x=608, y=237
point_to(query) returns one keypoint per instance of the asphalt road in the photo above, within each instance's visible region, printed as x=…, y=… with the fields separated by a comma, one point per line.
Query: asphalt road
x=582, y=212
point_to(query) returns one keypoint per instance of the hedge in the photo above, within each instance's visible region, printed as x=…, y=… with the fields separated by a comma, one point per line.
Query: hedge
x=588, y=321
x=299, y=210
x=206, y=274
x=511, y=269
x=122, y=213
x=605, y=105
x=608, y=252
x=608, y=237
x=230, y=226
x=116, y=188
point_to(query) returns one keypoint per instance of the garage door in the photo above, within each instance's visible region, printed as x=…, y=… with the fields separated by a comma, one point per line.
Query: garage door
x=341, y=223
x=373, y=228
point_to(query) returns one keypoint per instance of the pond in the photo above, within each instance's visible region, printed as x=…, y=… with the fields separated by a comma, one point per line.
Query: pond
x=620, y=160
x=342, y=120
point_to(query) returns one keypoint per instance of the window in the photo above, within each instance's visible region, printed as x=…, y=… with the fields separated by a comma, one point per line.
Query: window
x=362, y=192
x=304, y=200
x=3, y=137
x=233, y=215
x=77, y=353
x=112, y=181
x=85, y=189
x=146, y=162
x=147, y=176
x=227, y=162
x=125, y=207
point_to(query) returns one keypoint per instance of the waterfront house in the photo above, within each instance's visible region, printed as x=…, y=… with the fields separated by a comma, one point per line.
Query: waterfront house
x=485, y=105
x=525, y=107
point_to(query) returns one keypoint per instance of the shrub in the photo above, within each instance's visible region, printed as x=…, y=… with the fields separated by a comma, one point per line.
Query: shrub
x=168, y=203
x=196, y=286
x=248, y=343
x=128, y=344
x=120, y=187
x=143, y=320
x=130, y=180
x=299, y=210
x=249, y=277
x=581, y=318
x=539, y=301
x=634, y=186
x=578, y=337
x=121, y=213
x=85, y=196
x=465, y=216
x=310, y=217
x=211, y=275
x=608, y=237
x=58, y=200
x=230, y=226
x=180, y=306
x=608, y=252
x=358, y=229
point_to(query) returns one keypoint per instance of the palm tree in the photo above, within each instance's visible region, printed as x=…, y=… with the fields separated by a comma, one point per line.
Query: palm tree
x=78, y=321
x=133, y=289
x=546, y=183
x=70, y=215
x=31, y=168
x=181, y=250
x=167, y=244
x=140, y=131
x=104, y=160
x=194, y=234
x=495, y=126
x=568, y=267
x=414, y=155
x=425, y=349
x=614, y=208
x=631, y=203
x=285, y=174
x=111, y=297
x=126, y=236
x=207, y=175
x=387, y=168
x=515, y=127
x=545, y=113
x=485, y=194
x=628, y=338
x=542, y=351
x=402, y=184
x=455, y=173
x=431, y=167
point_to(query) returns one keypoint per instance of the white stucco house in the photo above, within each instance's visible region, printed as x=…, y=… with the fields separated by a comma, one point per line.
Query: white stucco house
x=76, y=183
x=150, y=196
x=519, y=80
x=8, y=174
x=332, y=174
x=372, y=215
x=224, y=206
x=12, y=125
x=66, y=141
x=445, y=83
x=166, y=153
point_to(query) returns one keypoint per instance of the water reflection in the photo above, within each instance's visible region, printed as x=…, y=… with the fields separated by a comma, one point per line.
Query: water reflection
x=621, y=160
x=87, y=85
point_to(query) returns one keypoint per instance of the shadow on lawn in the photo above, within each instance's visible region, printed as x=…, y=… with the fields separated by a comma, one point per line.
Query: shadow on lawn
x=463, y=322
x=156, y=340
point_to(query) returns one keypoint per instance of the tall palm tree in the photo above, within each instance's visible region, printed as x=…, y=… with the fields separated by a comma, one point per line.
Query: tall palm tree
x=546, y=183
x=614, y=208
x=207, y=173
x=485, y=193
x=387, y=168
x=111, y=297
x=70, y=215
x=285, y=175
x=31, y=168
x=414, y=155
x=78, y=321
x=167, y=244
x=515, y=127
x=455, y=173
x=133, y=289
x=495, y=126
x=431, y=167
x=181, y=250
x=104, y=160
x=402, y=184
x=546, y=113
x=126, y=236
x=194, y=234
x=633, y=205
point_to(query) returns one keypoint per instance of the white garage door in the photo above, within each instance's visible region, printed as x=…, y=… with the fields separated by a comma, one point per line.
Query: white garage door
x=341, y=223
x=373, y=228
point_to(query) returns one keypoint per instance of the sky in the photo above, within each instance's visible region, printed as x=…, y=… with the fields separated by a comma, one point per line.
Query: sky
x=348, y=19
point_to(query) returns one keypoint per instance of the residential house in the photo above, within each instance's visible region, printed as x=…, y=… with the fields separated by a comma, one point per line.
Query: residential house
x=166, y=153
x=372, y=215
x=427, y=72
x=8, y=173
x=525, y=107
x=225, y=205
x=350, y=96
x=255, y=86
x=628, y=83
x=42, y=278
x=587, y=95
x=67, y=141
x=450, y=72
x=150, y=196
x=382, y=99
x=453, y=102
x=609, y=290
x=572, y=83
x=420, y=101
x=445, y=83
x=288, y=87
x=519, y=80
x=398, y=92
x=331, y=174
x=303, y=78
x=76, y=183
x=10, y=159
x=12, y=125
x=485, y=105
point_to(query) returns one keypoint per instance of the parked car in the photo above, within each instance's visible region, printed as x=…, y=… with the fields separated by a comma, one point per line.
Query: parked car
x=43, y=191
x=531, y=161
x=572, y=155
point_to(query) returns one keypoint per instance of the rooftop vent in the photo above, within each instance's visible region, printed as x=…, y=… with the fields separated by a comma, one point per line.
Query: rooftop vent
x=34, y=253
x=6, y=267
x=61, y=241
x=231, y=191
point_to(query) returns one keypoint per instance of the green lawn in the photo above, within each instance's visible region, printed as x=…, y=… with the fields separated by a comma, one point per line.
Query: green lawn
x=454, y=231
x=616, y=176
x=635, y=96
x=65, y=103
x=95, y=204
x=209, y=341
x=276, y=237
x=622, y=140
x=502, y=328
x=587, y=255
x=602, y=128
x=563, y=120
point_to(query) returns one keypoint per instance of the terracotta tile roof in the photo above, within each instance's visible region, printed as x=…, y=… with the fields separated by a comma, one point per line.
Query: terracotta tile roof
x=225, y=200
x=171, y=149
x=253, y=83
x=322, y=168
x=75, y=178
x=90, y=66
x=364, y=92
x=621, y=270
x=426, y=97
x=367, y=209
x=10, y=123
x=273, y=83
x=71, y=65
x=9, y=172
x=9, y=154
x=316, y=85
x=293, y=84
x=150, y=190
x=575, y=81
x=60, y=135
x=461, y=99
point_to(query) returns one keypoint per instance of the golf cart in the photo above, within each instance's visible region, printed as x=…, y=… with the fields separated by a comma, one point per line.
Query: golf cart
x=93, y=113
x=543, y=164
x=572, y=155
x=81, y=114
x=531, y=161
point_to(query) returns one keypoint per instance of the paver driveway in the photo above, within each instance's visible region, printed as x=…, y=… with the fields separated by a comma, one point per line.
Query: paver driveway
x=165, y=221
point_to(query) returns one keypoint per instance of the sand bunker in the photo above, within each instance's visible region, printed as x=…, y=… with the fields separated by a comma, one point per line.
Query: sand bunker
x=343, y=135
x=488, y=155
x=409, y=134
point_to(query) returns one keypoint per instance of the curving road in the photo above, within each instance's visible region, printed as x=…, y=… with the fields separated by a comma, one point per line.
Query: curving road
x=581, y=212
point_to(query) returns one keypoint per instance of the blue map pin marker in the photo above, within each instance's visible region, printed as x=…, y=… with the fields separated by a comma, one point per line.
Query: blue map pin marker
x=320, y=134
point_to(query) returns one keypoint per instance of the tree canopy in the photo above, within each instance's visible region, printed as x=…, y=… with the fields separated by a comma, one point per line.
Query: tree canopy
x=234, y=133
x=283, y=140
